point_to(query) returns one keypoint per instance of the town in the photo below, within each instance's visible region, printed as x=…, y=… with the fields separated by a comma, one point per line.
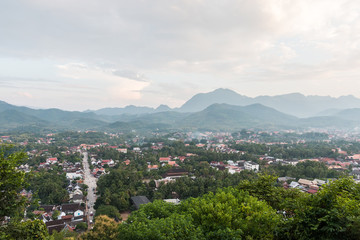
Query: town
x=80, y=175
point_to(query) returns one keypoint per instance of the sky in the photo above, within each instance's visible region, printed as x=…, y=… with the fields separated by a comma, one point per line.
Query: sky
x=90, y=54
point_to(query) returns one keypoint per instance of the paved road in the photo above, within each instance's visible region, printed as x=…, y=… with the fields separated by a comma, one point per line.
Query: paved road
x=89, y=180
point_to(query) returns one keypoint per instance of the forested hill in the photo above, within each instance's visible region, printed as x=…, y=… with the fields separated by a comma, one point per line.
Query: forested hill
x=216, y=117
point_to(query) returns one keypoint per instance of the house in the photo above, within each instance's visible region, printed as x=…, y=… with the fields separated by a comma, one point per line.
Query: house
x=164, y=181
x=47, y=208
x=78, y=198
x=234, y=169
x=152, y=167
x=294, y=184
x=72, y=176
x=319, y=182
x=122, y=150
x=164, y=159
x=356, y=174
x=172, y=163
x=78, y=213
x=52, y=160
x=292, y=162
x=139, y=200
x=306, y=183
x=251, y=166
x=285, y=179
x=175, y=173
x=312, y=191
x=57, y=225
x=109, y=162
x=175, y=201
x=70, y=208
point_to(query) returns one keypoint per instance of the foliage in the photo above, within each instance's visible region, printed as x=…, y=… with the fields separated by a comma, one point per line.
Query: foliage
x=306, y=169
x=333, y=213
x=12, y=181
x=63, y=235
x=55, y=215
x=104, y=228
x=50, y=187
x=25, y=230
x=265, y=188
x=82, y=226
x=117, y=187
x=228, y=213
x=108, y=210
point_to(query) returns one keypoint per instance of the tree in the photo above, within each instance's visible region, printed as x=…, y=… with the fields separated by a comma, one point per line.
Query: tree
x=82, y=226
x=25, y=230
x=109, y=211
x=228, y=214
x=333, y=213
x=104, y=228
x=12, y=181
x=55, y=215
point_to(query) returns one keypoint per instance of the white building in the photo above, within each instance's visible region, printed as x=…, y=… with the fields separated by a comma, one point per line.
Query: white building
x=251, y=166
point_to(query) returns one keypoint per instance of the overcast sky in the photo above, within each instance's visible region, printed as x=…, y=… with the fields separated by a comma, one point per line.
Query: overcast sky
x=89, y=54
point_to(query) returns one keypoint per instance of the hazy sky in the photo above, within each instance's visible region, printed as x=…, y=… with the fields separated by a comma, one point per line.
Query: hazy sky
x=89, y=54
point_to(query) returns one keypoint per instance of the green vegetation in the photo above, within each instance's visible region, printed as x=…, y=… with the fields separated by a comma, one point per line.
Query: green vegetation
x=12, y=181
x=257, y=209
x=50, y=187
x=307, y=169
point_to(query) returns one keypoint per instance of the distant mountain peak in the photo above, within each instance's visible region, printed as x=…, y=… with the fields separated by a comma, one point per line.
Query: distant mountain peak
x=162, y=108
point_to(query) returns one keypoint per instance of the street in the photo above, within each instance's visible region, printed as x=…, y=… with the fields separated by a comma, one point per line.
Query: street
x=89, y=180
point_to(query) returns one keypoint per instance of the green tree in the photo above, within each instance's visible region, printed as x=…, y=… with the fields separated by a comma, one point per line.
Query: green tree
x=104, y=228
x=109, y=211
x=82, y=226
x=333, y=213
x=25, y=230
x=12, y=181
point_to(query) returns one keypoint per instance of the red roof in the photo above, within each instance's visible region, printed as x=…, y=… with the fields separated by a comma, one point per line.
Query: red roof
x=164, y=159
x=52, y=159
x=312, y=191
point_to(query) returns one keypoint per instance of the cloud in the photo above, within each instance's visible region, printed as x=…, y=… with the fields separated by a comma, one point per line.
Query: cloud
x=25, y=94
x=130, y=75
x=132, y=50
x=110, y=86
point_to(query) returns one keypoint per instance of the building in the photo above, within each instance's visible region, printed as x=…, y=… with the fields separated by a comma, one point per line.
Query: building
x=251, y=166
x=139, y=200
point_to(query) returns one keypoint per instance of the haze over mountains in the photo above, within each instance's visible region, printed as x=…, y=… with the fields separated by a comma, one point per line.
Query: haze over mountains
x=222, y=109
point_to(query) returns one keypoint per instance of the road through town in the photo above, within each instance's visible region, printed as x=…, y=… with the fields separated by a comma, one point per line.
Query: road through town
x=89, y=180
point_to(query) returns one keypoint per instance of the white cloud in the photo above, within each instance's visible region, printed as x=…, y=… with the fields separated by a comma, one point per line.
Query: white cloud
x=248, y=45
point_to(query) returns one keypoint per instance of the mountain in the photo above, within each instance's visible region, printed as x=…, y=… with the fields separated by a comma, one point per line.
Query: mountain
x=11, y=118
x=131, y=109
x=230, y=117
x=293, y=104
x=328, y=112
x=203, y=100
x=162, y=108
x=218, y=116
x=349, y=114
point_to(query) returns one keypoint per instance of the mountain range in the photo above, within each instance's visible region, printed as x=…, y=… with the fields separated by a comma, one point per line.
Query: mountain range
x=222, y=109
